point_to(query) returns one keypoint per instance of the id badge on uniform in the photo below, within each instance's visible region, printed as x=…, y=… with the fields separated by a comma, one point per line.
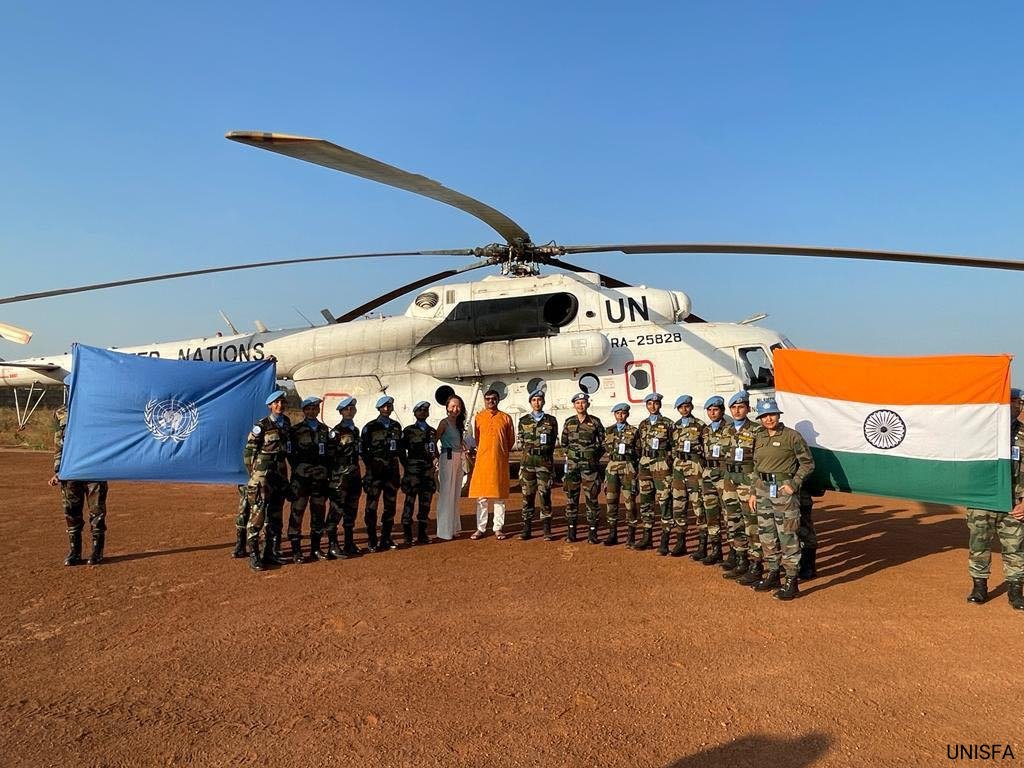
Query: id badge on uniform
x=543, y=438
x=686, y=446
x=622, y=449
x=739, y=454
x=773, y=491
x=1015, y=453
x=655, y=442
x=288, y=447
x=431, y=448
x=392, y=445
x=716, y=451
x=321, y=448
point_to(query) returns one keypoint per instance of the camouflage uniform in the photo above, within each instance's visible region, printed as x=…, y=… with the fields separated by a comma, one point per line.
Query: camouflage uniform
x=419, y=456
x=241, y=523
x=716, y=455
x=265, y=458
x=655, y=442
x=381, y=448
x=983, y=523
x=345, y=483
x=537, y=441
x=583, y=442
x=688, y=474
x=76, y=495
x=620, y=474
x=780, y=459
x=735, y=486
x=310, y=462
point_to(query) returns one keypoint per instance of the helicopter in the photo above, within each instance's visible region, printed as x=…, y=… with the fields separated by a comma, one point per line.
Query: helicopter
x=516, y=332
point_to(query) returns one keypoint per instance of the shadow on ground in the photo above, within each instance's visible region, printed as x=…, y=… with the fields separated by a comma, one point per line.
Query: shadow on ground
x=759, y=750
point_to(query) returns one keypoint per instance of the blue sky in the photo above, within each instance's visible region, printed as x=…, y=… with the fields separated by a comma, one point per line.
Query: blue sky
x=868, y=124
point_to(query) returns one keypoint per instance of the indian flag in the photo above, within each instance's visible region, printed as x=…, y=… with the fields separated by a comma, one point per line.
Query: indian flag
x=927, y=428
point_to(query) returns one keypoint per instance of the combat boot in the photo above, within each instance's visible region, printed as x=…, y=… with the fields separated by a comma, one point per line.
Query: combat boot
x=769, y=581
x=277, y=546
x=97, y=548
x=663, y=546
x=741, y=567
x=315, y=553
x=631, y=537
x=548, y=535
x=807, y=563
x=239, y=551
x=789, y=591
x=980, y=592
x=753, y=574
x=729, y=562
x=421, y=534
x=592, y=537
x=680, y=548
x=613, y=535
x=74, y=548
x=254, y=556
x=386, y=542
x=570, y=532
x=714, y=556
x=269, y=557
x=297, y=557
x=407, y=534
x=1015, y=593
x=350, y=549
x=702, y=548
x=527, y=533
x=645, y=542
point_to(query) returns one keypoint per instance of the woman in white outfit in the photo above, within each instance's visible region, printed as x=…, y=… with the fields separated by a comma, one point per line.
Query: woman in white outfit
x=450, y=468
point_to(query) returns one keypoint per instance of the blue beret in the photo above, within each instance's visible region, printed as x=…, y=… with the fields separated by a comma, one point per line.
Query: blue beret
x=421, y=404
x=385, y=400
x=1015, y=394
x=311, y=400
x=714, y=400
x=345, y=402
x=684, y=400
x=538, y=393
x=276, y=396
x=581, y=396
x=767, y=407
x=739, y=397
x=620, y=407
x=653, y=396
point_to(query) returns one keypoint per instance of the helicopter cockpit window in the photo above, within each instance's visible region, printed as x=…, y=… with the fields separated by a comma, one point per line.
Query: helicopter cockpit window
x=500, y=387
x=756, y=367
x=639, y=379
x=535, y=384
x=589, y=383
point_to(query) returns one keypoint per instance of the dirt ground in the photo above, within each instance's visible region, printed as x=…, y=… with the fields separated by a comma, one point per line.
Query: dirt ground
x=503, y=653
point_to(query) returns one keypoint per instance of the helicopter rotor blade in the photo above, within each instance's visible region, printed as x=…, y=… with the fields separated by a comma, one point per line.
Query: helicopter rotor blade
x=231, y=268
x=371, y=305
x=607, y=280
x=799, y=250
x=321, y=152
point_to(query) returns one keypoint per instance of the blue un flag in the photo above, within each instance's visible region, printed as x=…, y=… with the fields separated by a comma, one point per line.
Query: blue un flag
x=143, y=418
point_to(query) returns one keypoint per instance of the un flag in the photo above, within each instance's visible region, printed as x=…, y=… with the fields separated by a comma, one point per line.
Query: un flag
x=143, y=418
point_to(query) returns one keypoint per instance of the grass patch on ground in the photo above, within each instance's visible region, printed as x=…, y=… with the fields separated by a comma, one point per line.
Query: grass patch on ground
x=37, y=435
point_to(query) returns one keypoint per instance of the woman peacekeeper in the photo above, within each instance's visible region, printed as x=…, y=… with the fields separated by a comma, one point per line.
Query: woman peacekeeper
x=620, y=443
x=782, y=461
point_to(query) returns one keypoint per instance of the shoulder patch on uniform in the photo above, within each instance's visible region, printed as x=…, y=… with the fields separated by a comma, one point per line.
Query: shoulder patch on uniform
x=257, y=430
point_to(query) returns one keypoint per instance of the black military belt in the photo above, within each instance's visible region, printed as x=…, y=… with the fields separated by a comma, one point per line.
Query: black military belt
x=714, y=463
x=542, y=454
x=740, y=468
x=774, y=477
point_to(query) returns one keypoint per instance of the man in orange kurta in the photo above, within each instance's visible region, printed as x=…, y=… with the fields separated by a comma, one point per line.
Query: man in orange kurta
x=494, y=438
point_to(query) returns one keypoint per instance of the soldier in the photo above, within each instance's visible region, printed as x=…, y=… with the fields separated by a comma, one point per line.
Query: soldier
x=310, y=464
x=620, y=443
x=345, y=482
x=419, y=464
x=688, y=475
x=655, y=441
x=982, y=523
x=75, y=495
x=265, y=458
x=736, y=483
x=381, y=446
x=537, y=434
x=782, y=461
x=583, y=442
x=716, y=447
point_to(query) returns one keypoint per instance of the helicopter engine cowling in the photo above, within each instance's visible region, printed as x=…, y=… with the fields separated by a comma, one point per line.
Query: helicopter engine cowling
x=559, y=352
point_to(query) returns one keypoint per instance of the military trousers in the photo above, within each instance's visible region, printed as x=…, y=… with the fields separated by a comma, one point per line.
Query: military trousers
x=242, y=518
x=620, y=482
x=983, y=526
x=711, y=498
x=309, y=489
x=778, y=520
x=808, y=538
x=418, y=487
x=734, y=490
x=344, y=492
x=75, y=496
x=582, y=477
x=654, y=479
x=687, y=496
x=266, y=499
x=382, y=478
x=535, y=474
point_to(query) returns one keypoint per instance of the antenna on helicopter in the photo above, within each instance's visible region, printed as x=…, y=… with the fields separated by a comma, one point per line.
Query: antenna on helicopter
x=227, y=322
x=260, y=327
x=311, y=324
x=754, y=318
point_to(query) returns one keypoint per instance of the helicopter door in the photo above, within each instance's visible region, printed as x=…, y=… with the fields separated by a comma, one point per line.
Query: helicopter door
x=639, y=380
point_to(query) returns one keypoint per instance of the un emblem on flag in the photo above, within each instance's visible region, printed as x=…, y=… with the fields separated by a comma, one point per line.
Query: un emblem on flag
x=171, y=419
x=884, y=429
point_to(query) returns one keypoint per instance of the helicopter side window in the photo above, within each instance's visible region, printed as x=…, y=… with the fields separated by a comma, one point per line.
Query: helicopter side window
x=534, y=384
x=443, y=393
x=639, y=379
x=757, y=367
x=500, y=387
x=589, y=383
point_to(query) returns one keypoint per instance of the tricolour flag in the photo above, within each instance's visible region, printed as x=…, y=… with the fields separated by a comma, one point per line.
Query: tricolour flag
x=927, y=428
x=143, y=418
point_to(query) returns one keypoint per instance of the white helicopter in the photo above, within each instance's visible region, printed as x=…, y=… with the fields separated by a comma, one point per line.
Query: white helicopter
x=514, y=332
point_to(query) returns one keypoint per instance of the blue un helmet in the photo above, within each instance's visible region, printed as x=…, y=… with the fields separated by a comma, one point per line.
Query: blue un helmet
x=713, y=401
x=739, y=397
x=653, y=396
x=385, y=400
x=581, y=396
x=537, y=393
x=1015, y=394
x=279, y=395
x=345, y=402
x=684, y=400
x=620, y=407
x=311, y=400
x=768, y=407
